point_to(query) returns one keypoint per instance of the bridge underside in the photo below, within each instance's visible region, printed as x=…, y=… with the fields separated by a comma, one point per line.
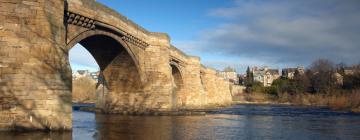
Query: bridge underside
x=141, y=71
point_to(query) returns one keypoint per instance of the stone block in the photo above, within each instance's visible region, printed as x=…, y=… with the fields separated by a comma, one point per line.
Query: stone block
x=28, y=104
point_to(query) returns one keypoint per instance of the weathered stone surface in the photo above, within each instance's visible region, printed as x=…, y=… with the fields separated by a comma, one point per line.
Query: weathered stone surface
x=142, y=72
x=216, y=89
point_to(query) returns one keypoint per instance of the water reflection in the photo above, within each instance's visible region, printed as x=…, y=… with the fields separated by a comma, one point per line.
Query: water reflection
x=35, y=136
x=238, y=122
x=152, y=127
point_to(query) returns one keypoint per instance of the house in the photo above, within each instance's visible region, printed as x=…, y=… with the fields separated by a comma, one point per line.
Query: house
x=229, y=74
x=289, y=73
x=80, y=73
x=86, y=73
x=339, y=78
x=349, y=71
x=265, y=75
x=95, y=75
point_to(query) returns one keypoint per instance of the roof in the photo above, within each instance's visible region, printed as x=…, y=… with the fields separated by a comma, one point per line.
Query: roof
x=82, y=71
x=289, y=70
x=273, y=71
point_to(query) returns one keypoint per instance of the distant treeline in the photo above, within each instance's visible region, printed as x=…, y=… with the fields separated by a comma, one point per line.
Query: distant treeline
x=84, y=90
x=323, y=81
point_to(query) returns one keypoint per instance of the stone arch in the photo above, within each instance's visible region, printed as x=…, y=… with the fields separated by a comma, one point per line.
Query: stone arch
x=177, y=84
x=119, y=66
x=177, y=75
x=120, y=41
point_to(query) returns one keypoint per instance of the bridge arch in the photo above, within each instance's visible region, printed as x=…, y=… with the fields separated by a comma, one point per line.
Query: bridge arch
x=119, y=69
x=177, y=85
x=116, y=39
x=177, y=75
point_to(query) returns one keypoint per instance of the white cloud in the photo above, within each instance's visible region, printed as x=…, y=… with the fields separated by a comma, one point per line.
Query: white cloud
x=80, y=58
x=189, y=46
x=286, y=32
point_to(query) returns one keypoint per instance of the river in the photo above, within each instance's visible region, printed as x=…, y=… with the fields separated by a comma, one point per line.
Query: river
x=272, y=122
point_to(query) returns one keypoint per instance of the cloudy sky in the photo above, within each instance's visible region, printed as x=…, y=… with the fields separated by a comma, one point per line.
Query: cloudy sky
x=241, y=33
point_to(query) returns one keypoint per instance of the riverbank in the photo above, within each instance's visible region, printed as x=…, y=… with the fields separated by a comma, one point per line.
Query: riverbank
x=340, y=102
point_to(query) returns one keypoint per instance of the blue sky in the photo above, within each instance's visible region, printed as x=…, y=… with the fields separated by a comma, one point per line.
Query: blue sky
x=241, y=33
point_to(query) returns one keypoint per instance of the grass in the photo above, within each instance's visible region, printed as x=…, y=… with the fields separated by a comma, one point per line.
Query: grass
x=346, y=101
x=349, y=101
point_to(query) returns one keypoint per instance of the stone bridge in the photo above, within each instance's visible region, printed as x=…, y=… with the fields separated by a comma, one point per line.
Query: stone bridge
x=143, y=71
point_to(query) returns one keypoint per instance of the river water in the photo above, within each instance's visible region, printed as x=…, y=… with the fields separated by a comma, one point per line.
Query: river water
x=272, y=122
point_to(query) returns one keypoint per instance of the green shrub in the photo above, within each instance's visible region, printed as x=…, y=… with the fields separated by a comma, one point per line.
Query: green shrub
x=272, y=90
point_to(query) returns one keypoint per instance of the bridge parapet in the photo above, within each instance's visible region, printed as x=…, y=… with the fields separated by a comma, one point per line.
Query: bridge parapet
x=102, y=14
x=178, y=56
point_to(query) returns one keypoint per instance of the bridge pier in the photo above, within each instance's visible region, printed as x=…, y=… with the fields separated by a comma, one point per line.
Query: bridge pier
x=35, y=83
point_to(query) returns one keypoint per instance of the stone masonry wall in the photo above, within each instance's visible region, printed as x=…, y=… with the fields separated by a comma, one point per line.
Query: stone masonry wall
x=35, y=92
x=216, y=89
x=191, y=95
x=35, y=74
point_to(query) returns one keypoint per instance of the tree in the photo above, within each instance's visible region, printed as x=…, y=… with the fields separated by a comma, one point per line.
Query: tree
x=281, y=85
x=322, y=78
x=352, y=81
x=249, y=77
x=249, y=81
x=322, y=65
x=340, y=68
x=300, y=83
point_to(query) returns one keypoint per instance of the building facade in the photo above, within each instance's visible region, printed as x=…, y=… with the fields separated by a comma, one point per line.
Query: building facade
x=265, y=75
x=229, y=74
x=80, y=73
x=289, y=73
x=85, y=73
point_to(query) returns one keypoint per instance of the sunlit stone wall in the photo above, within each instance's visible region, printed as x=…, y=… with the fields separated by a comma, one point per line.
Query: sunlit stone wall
x=35, y=75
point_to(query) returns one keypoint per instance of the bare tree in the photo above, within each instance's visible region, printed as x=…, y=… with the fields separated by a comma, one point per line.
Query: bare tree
x=322, y=65
x=321, y=78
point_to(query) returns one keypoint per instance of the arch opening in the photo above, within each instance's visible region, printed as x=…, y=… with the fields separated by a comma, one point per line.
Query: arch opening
x=177, y=84
x=85, y=72
x=117, y=73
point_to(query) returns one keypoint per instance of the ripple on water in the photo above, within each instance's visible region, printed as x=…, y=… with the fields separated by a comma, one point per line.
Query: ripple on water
x=271, y=122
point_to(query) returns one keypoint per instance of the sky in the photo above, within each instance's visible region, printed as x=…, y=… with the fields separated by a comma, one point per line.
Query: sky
x=242, y=33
